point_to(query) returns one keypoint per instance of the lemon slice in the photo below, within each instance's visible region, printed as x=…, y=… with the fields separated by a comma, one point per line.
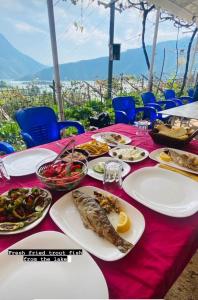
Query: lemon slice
x=124, y=223
x=165, y=157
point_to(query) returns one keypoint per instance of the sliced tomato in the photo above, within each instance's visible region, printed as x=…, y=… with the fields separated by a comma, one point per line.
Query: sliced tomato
x=76, y=167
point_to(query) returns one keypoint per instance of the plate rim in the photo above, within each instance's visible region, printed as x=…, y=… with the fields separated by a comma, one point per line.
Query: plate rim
x=161, y=211
x=110, y=158
x=130, y=161
x=7, y=157
x=52, y=213
x=58, y=234
x=156, y=151
x=35, y=223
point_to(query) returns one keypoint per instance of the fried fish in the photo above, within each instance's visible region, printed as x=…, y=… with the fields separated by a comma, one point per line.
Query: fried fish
x=184, y=160
x=95, y=218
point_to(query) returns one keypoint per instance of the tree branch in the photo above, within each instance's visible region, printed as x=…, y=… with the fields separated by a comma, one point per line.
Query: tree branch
x=177, y=22
x=177, y=59
x=162, y=70
x=146, y=9
x=151, y=8
x=187, y=60
x=143, y=39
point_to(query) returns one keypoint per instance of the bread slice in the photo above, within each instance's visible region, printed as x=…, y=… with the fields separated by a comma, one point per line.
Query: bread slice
x=179, y=131
x=174, y=132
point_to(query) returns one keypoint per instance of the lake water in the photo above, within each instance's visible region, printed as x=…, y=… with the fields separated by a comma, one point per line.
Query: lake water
x=43, y=85
x=80, y=86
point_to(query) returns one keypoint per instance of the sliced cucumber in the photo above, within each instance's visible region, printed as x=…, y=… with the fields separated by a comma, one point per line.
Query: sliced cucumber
x=99, y=167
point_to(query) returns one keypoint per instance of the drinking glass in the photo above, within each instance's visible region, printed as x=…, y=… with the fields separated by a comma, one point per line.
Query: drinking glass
x=4, y=177
x=142, y=127
x=112, y=179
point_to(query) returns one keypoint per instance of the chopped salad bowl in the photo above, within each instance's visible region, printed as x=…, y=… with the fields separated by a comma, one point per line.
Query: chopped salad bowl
x=61, y=176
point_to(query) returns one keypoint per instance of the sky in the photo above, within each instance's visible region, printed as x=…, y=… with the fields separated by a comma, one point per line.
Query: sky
x=82, y=30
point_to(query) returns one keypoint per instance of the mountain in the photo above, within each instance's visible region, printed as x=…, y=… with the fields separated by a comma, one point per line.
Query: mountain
x=132, y=62
x=14, y=64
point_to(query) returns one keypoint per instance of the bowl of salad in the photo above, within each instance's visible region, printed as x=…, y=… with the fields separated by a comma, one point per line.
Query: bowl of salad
x=62, y=175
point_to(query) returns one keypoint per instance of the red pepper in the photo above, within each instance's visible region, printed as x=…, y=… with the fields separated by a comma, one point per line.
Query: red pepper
x=62, y=174
x=58, y=169
x=49, y=172
x=76, y=167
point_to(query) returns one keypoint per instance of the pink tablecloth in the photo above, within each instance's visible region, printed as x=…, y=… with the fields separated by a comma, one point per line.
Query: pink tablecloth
x=164, y=249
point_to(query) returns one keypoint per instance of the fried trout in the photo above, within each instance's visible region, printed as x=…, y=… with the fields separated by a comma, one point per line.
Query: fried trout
x=95, y=218
x=184, y=160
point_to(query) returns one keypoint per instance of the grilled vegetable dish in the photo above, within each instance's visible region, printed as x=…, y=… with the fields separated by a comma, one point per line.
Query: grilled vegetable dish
x=20, y=207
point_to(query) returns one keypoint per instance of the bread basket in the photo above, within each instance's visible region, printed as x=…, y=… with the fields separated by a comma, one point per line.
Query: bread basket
x=169, y=141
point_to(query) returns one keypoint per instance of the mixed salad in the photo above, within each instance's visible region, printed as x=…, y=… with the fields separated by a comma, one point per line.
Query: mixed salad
x=63, y=170
x=62, y=175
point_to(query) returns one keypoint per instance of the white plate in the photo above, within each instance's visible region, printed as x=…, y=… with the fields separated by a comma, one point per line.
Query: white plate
x=155, y=155
x=129, y=147
x=99, y=176
x=164, y=191
x=31, y=225
x=67, y=218
x=81, y=278
x=100, y=137
x=25, y=162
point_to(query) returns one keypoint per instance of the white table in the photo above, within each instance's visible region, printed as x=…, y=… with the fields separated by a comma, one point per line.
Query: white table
x=189, y=111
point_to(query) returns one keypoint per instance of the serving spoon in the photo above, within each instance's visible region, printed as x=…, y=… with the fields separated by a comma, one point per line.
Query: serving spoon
x=72, y=141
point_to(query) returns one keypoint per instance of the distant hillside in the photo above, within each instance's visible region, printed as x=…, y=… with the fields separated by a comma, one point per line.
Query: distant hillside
x=132, y=62
x=14, y=64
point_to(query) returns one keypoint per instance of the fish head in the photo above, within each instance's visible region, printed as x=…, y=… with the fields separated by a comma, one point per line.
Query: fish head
x=77, y=195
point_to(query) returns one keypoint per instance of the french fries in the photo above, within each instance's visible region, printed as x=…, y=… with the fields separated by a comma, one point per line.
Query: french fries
x=94, y=148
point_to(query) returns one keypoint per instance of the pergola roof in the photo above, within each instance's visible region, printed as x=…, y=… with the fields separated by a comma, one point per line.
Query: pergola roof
x=184, y=9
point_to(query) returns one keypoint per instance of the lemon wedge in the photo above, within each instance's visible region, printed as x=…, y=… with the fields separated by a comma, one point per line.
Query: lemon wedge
x=165, y=157
x=124, y=223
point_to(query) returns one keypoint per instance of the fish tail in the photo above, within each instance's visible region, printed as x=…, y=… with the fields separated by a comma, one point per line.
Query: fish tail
x=124, y=245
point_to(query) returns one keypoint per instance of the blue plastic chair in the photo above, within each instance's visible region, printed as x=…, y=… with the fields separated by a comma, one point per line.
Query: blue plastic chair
x=195, y=95
x=126, y=112
x=149, y=99
x=6, y=148
x=191, y=92
x=39, y=125
x=170, y=95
